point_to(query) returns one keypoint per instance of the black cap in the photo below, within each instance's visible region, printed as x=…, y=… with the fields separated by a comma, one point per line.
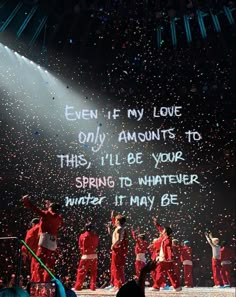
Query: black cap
x=34, y=221
x=89, y=227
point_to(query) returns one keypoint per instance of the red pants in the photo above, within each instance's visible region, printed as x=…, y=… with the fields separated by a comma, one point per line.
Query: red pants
x=112, y=280
x=188, y=275
x=216, y=267
x=167, y=267
x=138, y=266
x=118, y=267
x=86, y=265
x=33, y=269
x=225, y=273
x=162, y=278
x=48, y=258
x=176, y=268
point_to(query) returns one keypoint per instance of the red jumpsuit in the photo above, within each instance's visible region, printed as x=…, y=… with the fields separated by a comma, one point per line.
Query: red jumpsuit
x=47, y=245
x=32, y=239
x=226, y=256
x=186, y=259
x=166, y=263
x=176, y=249
x=118, y=256
x=155, y=249
x=140, y=250
x=88, y=242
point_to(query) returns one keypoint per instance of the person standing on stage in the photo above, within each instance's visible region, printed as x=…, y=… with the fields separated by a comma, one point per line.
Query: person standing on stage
x=109, y=226
x=216, y=266
x=154, y=249
x=31, y=239
x=166, y=258
x=226, y=257
x=140, y=251
x=186, y=259
x=50, y=221
x=88, y=243
x=119, y=250
x=176, y=250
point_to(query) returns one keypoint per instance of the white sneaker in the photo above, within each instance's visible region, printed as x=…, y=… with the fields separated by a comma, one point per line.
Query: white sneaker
x=178, y=289
x=114, y=290
x=227, y=286
x=153, y=289
x=165, y=288
x=218, y=287
x=109, y=287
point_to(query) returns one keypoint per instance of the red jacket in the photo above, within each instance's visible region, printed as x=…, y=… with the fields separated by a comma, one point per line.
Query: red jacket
x=226, y=254
x=159, y=227
x=31, y=239
x=141, y=245
x=186, y=253
x=165, y=253
x=49, y=221
x=88, y=242
x=176, y=249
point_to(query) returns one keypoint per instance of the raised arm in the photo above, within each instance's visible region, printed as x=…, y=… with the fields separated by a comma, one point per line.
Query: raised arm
x=108, y=226
x=80, y=244
x=208, y=238
x=113, y=218
x=158, y=226
x=28, y=204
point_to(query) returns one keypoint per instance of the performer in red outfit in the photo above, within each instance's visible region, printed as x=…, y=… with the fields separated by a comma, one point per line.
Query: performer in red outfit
x=109, y=225
x=156, y=246
x=226, y=257
x=154, y=249
x=165, y=258
x=216, y=266
x=140, y=251
x=119, y=251
x=186, y=259
x=176, y=249
x=32, y=239
x=50, y=221
x=88, y=243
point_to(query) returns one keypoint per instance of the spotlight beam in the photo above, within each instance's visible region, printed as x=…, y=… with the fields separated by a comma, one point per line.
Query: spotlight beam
x=229, y=15
x=215, y=21
x=26, y=21
x=187, y=28
x=3, y=3
x=173, y=32
x=39, y=29
x=159, y=41
x=200, y=16
x=11, y=16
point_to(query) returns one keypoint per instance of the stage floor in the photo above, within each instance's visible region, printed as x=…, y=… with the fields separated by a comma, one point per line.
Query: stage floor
x=193, y=292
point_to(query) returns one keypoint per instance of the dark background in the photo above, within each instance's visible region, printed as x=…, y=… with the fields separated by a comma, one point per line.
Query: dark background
x=105, y=55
